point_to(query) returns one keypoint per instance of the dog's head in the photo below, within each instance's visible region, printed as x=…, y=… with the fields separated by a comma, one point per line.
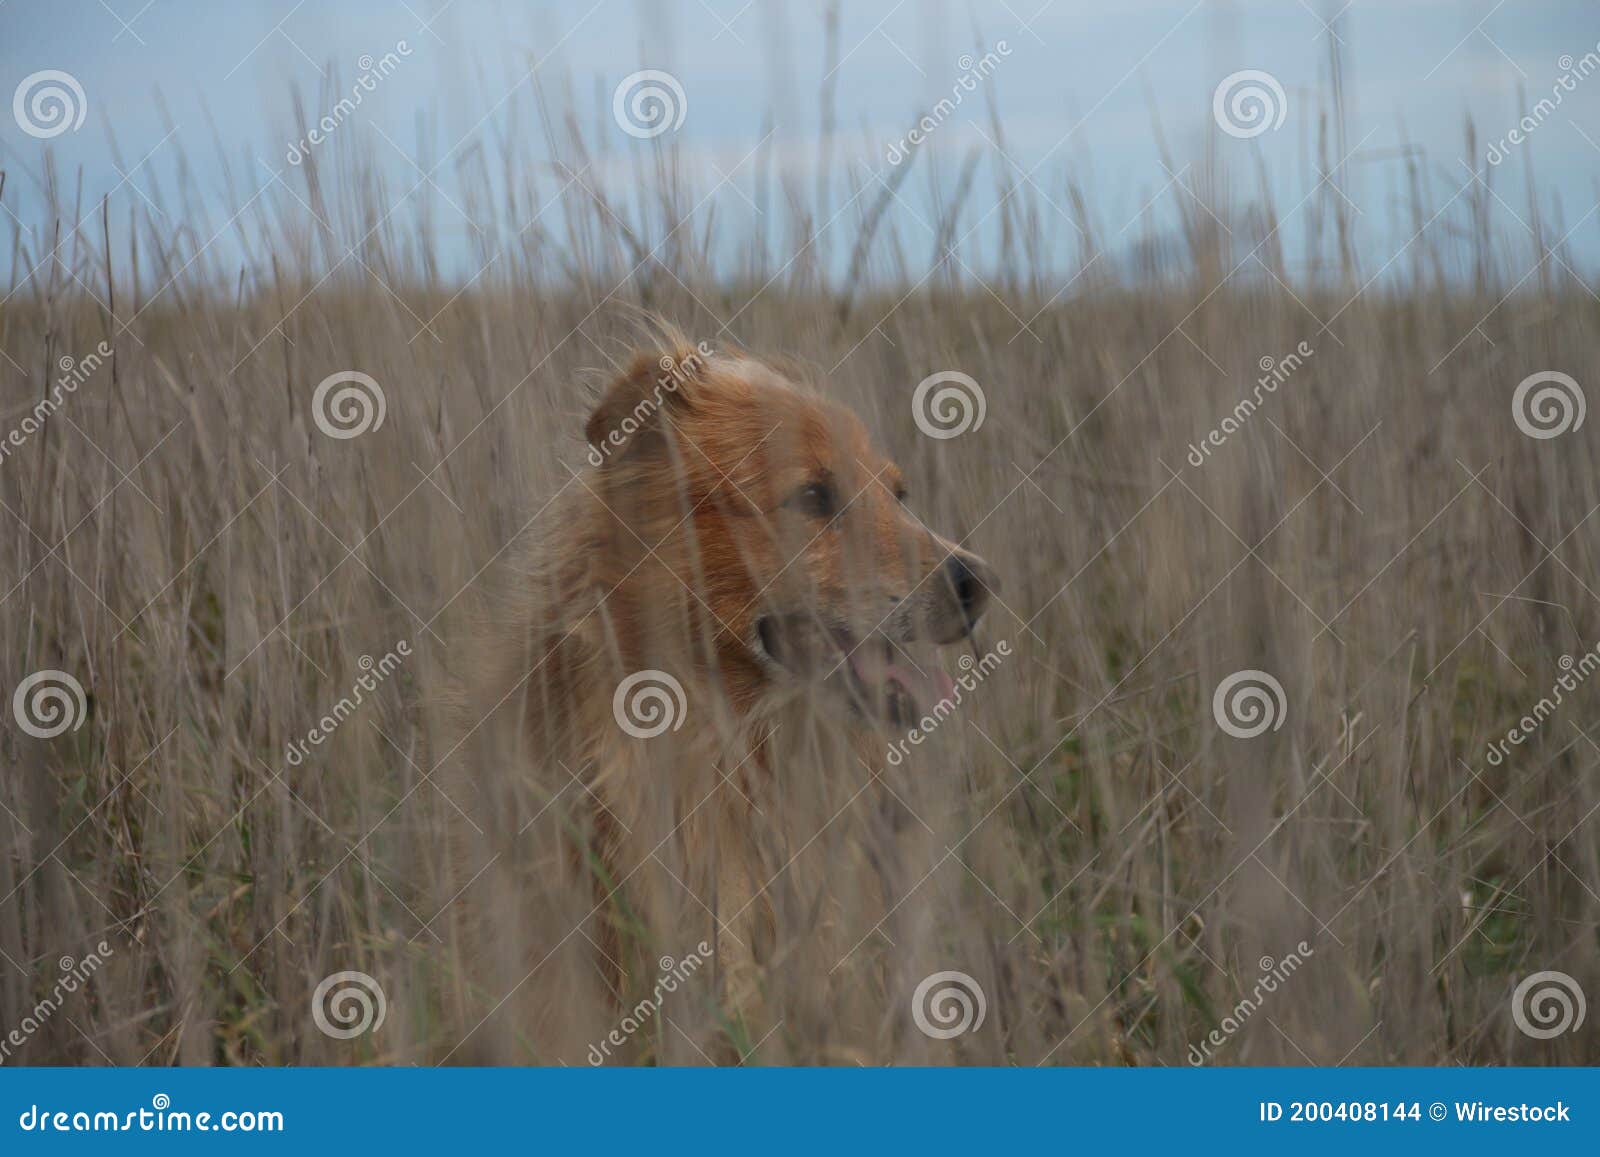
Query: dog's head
x=793, y=535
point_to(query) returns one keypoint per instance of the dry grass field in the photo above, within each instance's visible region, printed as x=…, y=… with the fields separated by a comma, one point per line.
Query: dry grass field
x=1113, y=868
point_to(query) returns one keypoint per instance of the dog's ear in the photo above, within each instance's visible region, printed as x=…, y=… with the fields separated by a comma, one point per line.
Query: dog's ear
x=629, y=417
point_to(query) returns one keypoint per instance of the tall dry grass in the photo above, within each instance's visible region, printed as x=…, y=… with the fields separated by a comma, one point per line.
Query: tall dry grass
x=1107, y=862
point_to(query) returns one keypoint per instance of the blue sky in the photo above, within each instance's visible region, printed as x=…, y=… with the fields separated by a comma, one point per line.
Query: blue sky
x=1079, y=92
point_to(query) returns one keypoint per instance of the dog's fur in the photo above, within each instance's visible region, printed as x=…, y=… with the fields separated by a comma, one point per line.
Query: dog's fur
x=738, y=534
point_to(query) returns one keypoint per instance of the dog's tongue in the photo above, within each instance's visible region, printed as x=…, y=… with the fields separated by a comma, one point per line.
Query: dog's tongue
x=877, y=671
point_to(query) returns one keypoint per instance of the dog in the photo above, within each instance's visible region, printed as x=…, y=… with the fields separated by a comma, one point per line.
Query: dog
x=685, y=678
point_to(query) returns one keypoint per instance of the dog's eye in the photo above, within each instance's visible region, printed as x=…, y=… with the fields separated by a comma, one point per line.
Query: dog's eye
x=815, y=499
x=900, y=494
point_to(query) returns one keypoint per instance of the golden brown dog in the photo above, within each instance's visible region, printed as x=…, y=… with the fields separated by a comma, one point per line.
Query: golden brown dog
x=688, y=685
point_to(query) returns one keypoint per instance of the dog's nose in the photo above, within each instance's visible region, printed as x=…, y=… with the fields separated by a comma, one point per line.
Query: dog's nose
x=972, y=581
